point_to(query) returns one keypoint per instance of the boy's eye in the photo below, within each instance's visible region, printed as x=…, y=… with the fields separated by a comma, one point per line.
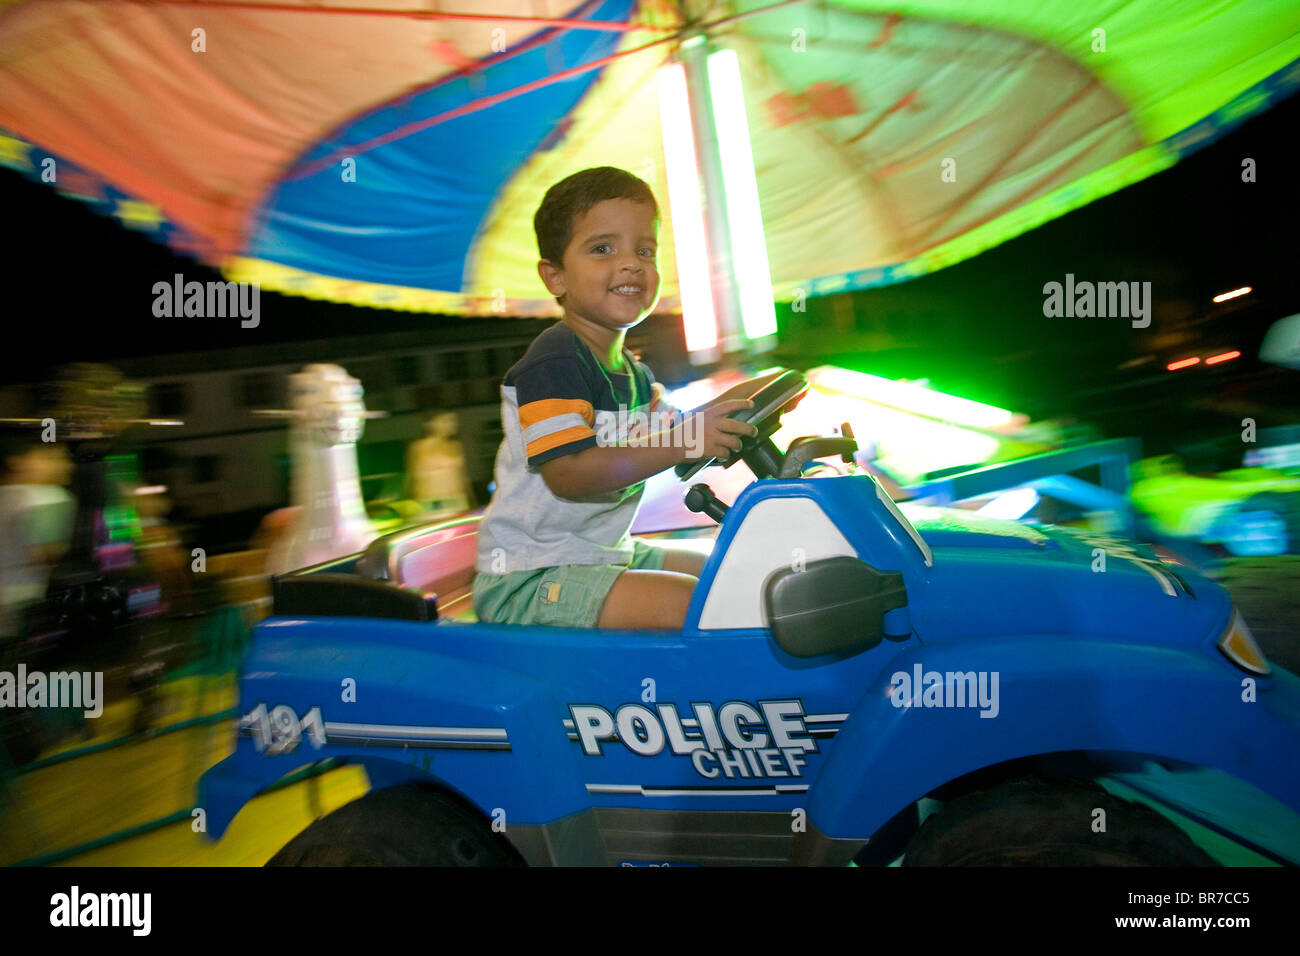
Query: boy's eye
x=604, y=248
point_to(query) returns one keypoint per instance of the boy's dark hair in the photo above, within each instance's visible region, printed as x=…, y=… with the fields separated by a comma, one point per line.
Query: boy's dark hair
x=572, y=196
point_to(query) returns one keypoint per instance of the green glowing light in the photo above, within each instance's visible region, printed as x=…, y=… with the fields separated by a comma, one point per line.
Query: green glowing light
x=910, y=398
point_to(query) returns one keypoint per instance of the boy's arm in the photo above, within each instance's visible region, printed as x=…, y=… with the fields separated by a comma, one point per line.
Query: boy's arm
x=657, y=400
x=707, y=433
x=607, y=468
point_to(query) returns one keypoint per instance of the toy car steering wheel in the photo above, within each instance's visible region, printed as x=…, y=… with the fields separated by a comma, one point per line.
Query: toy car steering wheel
x=770, y=402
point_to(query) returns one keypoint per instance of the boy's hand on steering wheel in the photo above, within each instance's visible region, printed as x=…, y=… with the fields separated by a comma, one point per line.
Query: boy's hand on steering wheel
x=716, y=434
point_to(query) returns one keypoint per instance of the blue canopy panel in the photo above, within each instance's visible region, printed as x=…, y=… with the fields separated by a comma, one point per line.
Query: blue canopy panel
x=417, y=203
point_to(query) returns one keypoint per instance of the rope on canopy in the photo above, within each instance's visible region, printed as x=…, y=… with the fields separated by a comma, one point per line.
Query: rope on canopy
x=567, y=23
x=418, y=126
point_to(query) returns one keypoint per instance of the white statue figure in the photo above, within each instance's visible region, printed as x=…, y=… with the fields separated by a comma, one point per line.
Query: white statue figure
x=329, y=519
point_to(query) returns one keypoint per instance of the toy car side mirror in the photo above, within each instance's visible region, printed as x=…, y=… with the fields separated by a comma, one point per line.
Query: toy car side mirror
x=832, y=604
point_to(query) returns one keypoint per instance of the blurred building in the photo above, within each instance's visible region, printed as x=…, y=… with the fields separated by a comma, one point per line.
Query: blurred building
x=228, y=461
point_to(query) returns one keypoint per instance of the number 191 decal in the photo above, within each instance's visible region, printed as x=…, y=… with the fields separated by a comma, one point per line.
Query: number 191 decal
x=279, y=730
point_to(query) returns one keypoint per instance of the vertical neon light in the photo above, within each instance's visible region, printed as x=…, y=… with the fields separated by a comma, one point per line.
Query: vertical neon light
x=744, y=215
x=698, y=319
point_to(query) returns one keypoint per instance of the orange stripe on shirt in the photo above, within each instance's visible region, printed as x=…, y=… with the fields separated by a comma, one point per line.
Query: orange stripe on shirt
x=539, y=411
x=555, y=439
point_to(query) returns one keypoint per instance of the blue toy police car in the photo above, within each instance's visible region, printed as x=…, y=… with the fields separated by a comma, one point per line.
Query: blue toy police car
x=842, y=664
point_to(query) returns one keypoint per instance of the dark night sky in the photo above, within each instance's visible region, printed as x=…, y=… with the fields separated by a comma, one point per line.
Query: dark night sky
x=80, y=290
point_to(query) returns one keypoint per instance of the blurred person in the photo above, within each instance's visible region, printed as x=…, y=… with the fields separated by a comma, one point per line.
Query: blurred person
x=160, y=547
x=435, y=466
x=36, y=515
x=271, y=540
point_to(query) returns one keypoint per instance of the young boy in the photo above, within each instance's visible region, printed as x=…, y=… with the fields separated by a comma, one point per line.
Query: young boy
x=554, y=546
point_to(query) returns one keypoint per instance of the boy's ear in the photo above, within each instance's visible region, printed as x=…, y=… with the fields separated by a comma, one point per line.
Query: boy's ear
x=552, y=275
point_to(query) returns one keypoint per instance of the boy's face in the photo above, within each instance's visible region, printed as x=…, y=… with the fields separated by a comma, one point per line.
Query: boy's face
x=614, y=247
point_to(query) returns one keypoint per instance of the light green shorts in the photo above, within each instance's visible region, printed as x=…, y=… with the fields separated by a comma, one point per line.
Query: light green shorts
x=568, y=596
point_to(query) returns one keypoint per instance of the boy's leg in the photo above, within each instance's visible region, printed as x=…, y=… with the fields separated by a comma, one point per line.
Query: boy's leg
x=652, y=599
x=654, y=592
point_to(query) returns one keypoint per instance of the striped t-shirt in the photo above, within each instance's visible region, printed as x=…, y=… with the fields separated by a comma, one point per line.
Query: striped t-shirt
x=558, y=400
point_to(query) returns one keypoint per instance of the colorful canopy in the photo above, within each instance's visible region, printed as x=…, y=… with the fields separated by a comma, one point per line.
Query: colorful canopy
x=378, y=152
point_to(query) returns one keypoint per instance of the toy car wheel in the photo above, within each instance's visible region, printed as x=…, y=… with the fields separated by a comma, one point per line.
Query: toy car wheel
x=1033, y=822
x=407, y=825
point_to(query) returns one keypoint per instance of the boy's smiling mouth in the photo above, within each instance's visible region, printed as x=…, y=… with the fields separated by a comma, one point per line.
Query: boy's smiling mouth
x=627, y=290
